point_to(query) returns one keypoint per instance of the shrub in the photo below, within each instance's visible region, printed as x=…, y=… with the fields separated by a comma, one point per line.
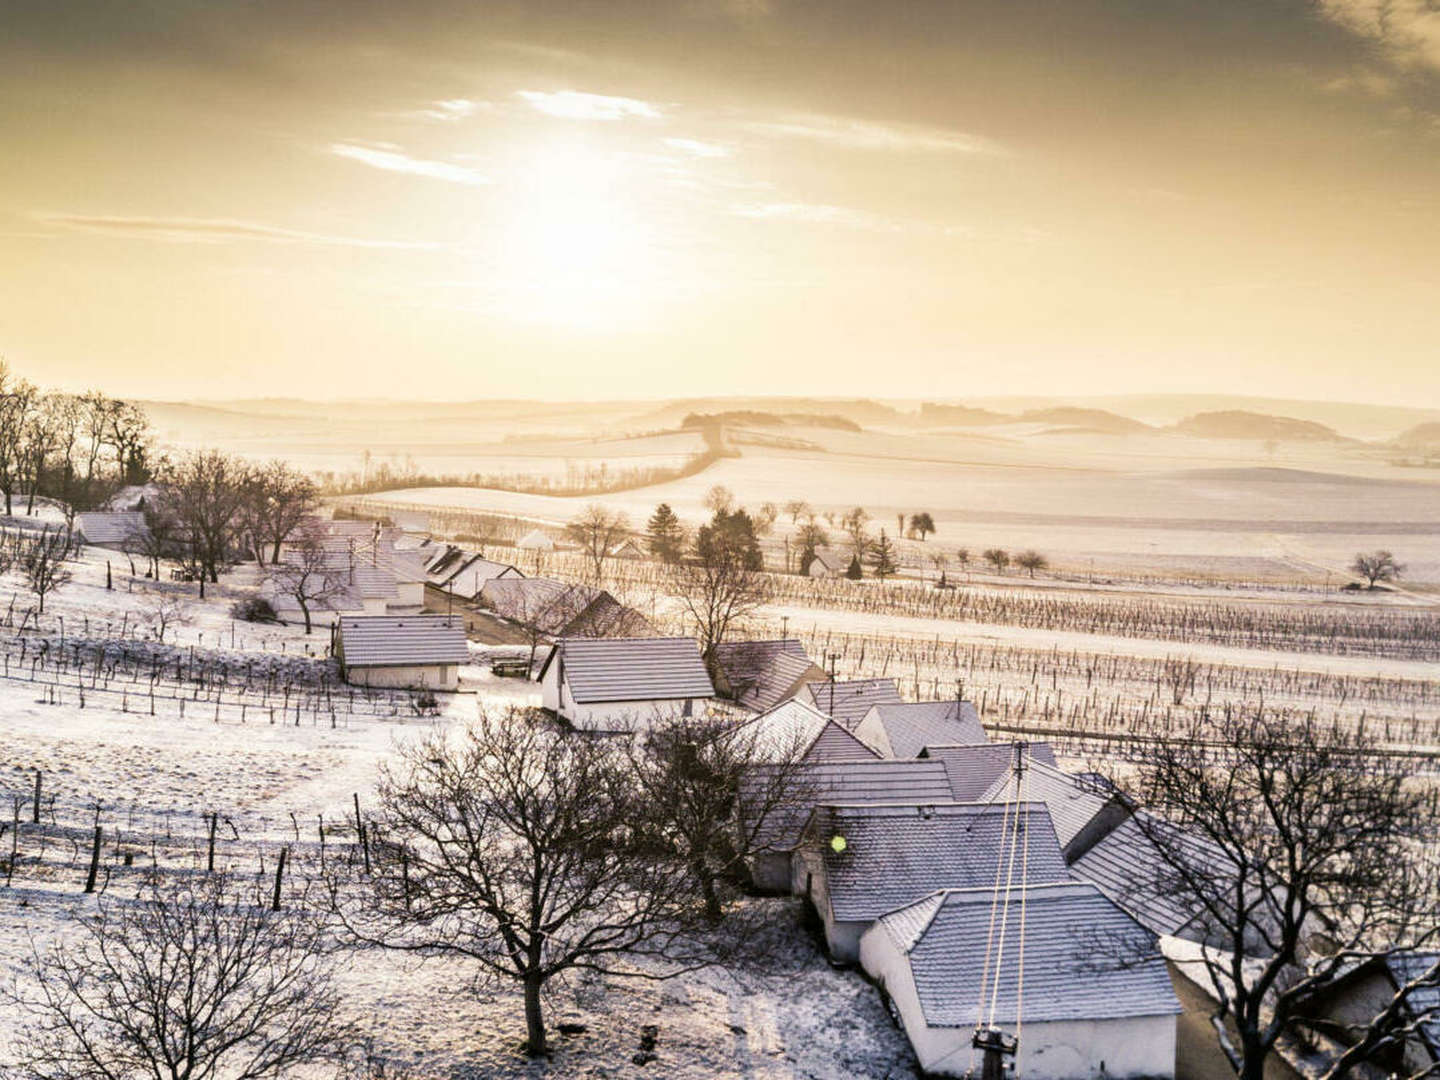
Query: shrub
x=254, y=609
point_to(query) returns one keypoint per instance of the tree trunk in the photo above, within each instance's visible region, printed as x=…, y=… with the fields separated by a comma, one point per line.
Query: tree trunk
x=535, y=1044
x=713, y=911
x=305, y=609
x=275, y=551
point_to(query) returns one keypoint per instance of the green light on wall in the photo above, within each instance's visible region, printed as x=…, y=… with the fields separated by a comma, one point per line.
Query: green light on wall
x=837, y=843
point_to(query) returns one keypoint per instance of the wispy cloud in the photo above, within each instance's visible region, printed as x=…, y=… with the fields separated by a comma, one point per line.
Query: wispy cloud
x=696, y=148
x=1408, y=30
x=814, y=214
x=866, y=135
x=451, y=109
x=575, y=105
x=212, y=231
x=395, y=161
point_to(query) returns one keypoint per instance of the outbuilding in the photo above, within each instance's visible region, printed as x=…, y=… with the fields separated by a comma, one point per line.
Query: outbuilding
x=624, y=684
x=1095, y=999
x=903, y=730
x=118, y=530
x=405, y=651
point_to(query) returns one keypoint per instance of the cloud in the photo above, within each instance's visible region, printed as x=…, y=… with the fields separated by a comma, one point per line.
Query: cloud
x=212, y=231
x=574, y=105
x=452, y=109
x=865, y=135
x=395, y=161
x=1409, y=30
x=814, y=214
x=696, y=148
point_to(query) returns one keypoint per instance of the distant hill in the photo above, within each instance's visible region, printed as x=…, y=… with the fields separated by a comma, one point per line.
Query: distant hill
x=1420, y=437
x=934, y=415
x=1239, y=424
x=753, y=418
x=1100, y=420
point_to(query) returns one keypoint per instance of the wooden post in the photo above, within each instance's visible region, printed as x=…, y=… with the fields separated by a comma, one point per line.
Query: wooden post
x=14, y=841
x=279, y=874
x=365, y=846
x=94, y=860
x=35, y=809
x=210, y=856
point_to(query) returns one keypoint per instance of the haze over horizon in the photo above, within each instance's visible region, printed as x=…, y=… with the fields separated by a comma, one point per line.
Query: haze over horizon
x=723, y=197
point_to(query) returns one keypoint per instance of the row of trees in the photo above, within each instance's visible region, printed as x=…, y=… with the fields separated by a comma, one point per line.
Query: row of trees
x=77, y=449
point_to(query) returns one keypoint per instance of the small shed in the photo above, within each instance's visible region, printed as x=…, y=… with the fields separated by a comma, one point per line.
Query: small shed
x=407, y=651
x=117, y=530
x=1097, y=998
x=629, y=548
x=848, y=702
x=624, y=684
x=535, y=540
x=903, y=730
x=828, y=564
x=855, y=863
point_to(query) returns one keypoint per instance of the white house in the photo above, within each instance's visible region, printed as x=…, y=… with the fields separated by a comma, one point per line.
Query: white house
x=1096, y=998
x=409, y=651
x=535, y=540
x=624, y=684
x=794, y=731
x=903, y=730
x=761, y=674
x=776, y=803
x=114, y=529
x=855, y=863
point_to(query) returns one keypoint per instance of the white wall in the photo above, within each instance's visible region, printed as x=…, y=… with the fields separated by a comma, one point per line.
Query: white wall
x=428, y=676
x=1141, y=1046
x=609, y=715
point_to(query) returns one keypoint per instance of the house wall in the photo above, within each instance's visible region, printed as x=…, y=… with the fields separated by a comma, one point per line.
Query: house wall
x=837, y=744
x=808, y=879
x=770, y=871
x=1142, y=1046
x=871, y=732
x=408, y=594
x=626, y=715
x=410, y=677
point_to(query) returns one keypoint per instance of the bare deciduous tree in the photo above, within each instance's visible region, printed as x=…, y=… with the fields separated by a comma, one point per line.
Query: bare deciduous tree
x=18, y=401
x=278, y=500
x=999, y=558
x=203, y=495
x=187, y=982
x=515, y=845
x=42, y=560
x=720, y=587
x=856, y=524
x=798, y=508
x=1301, y=850
x=597, y=530
x=1030, y=561
x=310, y=574
x=1377, y=566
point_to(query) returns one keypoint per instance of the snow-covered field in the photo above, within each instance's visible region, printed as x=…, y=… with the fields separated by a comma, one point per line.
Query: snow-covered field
x=149, y=780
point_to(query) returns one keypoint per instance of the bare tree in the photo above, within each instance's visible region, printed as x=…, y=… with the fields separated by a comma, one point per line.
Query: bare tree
x=184, y=983
x=719, y=500
x=856, y=524
x=514, y=845
x=18, y=401
x=1376, y=567
x=597, y=531
x=42, y=560
x=1302, y=850
x=203, y=495
x=922, y=524
x=310, y=574
x=1031, y=561
x=720, y=587
x=798, y=508
x=278, y=500
x=999, y=558
x=166, y=610
x=542, y=608
x=810, y=539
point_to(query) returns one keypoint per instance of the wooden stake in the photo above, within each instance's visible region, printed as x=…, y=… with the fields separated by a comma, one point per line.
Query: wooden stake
x=94, y=860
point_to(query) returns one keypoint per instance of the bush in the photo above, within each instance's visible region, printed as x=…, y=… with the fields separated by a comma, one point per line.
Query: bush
x=254, y=609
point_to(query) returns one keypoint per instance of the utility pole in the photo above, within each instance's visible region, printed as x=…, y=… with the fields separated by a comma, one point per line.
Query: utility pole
x=833, y=657
x=996, y=1047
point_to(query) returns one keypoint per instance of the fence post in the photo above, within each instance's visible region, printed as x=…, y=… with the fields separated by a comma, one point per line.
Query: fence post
x=279, y=874
x=94, y=860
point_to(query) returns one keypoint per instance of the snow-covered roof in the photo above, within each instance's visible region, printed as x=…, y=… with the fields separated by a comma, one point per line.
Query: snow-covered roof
x=908, y=727
x=973, y=768
x=894, y=854
x=473, y=576
x=630, y=669
x=1084, y=958
x=794, y=731
x=1072, y=802
x=762, y=674
x=848, y=702
x=402, y=640
x=112, y=526
x=535, y=540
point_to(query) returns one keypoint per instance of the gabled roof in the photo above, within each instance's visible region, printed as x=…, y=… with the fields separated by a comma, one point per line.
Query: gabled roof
x=475, y=574
x=894, y=854
x=849, y=782
x=907, y=728
x=112, y=526
x=1071, y=801
x=794, y=731
x=535, y=540
x=1409, y=966
x=1084, y=958
x=852, y=700
x=401, y=640
x=973, y=769
x=761, y=674
x=630, y=669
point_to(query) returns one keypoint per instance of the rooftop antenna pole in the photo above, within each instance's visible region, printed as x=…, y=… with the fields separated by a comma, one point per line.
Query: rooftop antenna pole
x=995, y=1048
x=833, y=657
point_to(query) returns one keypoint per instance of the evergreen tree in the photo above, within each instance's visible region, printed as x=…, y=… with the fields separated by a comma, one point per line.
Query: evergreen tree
x=882, y=557
x=666, y=536
x=730, y=534
x=854, y=573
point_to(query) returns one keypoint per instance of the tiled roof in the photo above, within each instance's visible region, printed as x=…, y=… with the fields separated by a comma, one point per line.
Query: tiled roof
x=112, y=526
x=852, y=700
x=794, y=731
x=1071, y=801
x=535, y=540
x=399, y=640
x=1408, y=966
x=475, y=574
x=1084, y=958
x=909, y=727
x=895, y=854
x=974, y=768
x=849, y=782
x=631, y=669
x=762, y=674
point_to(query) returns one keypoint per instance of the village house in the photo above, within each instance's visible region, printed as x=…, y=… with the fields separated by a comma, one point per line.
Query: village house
x=1073, y=801
x=828, y=564
x=776, y=802
x=535, y=540
x=556, y=609
x=848, y=702
x=1361, y=993
x=629, y=548
x=759, y=675
x=854, y=863
x=1097, y=997
x=115, y=530
x=624, y=684
x=974, y=768
x=794, y=732
x=904, y=730
x=404, y=651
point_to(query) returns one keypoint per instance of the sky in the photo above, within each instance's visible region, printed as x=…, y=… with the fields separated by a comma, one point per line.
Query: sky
x=606, y=198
